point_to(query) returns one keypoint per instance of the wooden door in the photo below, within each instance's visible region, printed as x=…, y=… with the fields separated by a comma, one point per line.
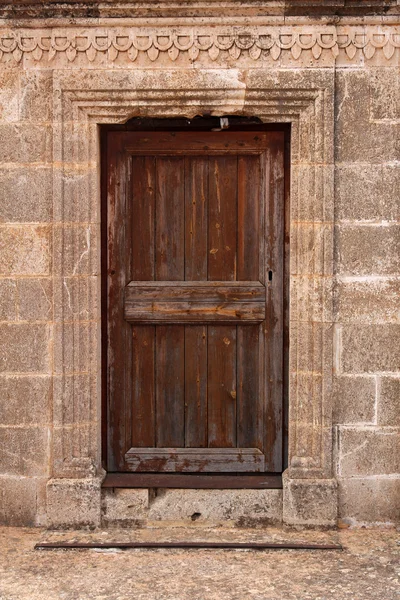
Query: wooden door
x=194, y=301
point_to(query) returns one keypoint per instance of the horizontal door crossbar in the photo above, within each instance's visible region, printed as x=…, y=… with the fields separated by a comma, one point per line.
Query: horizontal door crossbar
x=191, y=302
x=195, y=460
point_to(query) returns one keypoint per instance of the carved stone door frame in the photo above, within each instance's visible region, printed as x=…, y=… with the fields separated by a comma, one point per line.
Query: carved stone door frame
x=84, y=100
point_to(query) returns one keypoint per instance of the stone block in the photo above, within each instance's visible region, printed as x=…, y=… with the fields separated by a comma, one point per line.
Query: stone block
x=76, y=192
x=368, y=249
x=372, y=501
x=245, y=507
x=309, y=502
x=77, y=298
x=373, y=451
x=74, y=397
x=24, y=348
x=35, y=299
x=391, y=190
x=354, y=399
x=75, y=347
x=384, y=93
x=25, y=400
x=36, y=99
x=370, y=348
x=25, y=194
x=22, y=144
x=8, y=300
x=73, y=503
x=76, y=250
x=21, y=500
x=25, y=250
x=370, y=301
x=9, y=95
x=25, y=451
x=389, y=402
x=124, y=507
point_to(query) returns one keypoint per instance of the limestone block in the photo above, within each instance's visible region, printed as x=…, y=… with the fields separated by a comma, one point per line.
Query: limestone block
x=368, y=249
x=22, y=144
x=25, y=250
x=73, y=503
x=76, y=250
x=25, y=194
x=354, y=399
x=77, y=298
x=370, y=501
x=24, y=348
x=21, y=500
x=25, y=400
x=25, y=451
x=74, y=395
x=370, y=348
x=364, y=193
x=8, y=300
x=371, y=301
x=35, y=299
x=373, y=451
x=358, y=138
x=385, y=93
x=75, y=347
x=389, y=401
x=36, y=95
x=9, y=95
x=245, y=507
x=309, y=502
x=124, y=507
x=76, y=193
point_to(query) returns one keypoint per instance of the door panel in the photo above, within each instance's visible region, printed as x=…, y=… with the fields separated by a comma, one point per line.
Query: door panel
x=194, y=349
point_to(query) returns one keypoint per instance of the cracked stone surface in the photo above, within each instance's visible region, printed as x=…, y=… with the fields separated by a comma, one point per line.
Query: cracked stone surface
x=368, y=567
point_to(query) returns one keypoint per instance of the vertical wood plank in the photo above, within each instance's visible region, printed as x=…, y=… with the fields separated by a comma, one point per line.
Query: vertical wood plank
x=250, y=339
x=196, y=233
x=170, y=266
x=249, y=224
x=196, y=221
x=170, y=386
x=221, y=387
x=275, y=206
x=119, y=373
x=222, y=222
x=143, y=265
x=143, y=386
x=170, y=251
x=196, y=430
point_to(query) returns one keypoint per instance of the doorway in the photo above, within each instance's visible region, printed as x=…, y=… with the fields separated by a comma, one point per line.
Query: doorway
x=194, y=297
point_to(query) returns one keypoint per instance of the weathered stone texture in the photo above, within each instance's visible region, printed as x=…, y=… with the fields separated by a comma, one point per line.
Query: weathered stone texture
x=24, y=451
x=82, y=507
x=25, y=348
x=370, y=451
x=25, y=194
x=8, y=300
x=369, y=501
x=389, y=402
x=35, y=299
x=368, y=249
x=370, y=348
x=20, y=143
x=25, y=400
x=370, y=301
x=22, y=500
x=355, y=399
x=25, y=249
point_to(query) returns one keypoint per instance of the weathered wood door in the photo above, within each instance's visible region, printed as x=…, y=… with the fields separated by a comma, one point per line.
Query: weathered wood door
x=194, y=301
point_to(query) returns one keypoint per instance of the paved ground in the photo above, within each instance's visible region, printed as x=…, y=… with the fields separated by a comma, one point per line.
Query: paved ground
x=367, y=568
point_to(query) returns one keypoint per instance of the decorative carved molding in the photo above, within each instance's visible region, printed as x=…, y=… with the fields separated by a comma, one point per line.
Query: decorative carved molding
x=256, y=43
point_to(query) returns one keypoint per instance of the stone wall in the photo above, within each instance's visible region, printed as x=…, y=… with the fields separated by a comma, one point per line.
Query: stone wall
x=49, y=282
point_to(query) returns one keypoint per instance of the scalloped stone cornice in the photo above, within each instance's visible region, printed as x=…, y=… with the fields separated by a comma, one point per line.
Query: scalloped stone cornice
x=89, y=44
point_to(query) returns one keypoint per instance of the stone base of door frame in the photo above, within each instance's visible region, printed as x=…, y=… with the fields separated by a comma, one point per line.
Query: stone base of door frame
x=82, y=503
